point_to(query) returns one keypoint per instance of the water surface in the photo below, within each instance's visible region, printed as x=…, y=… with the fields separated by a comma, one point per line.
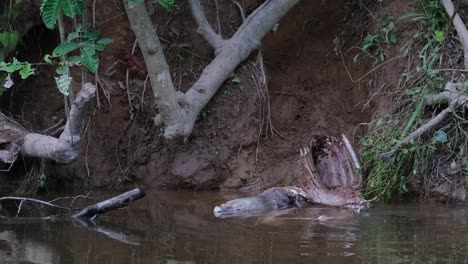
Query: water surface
x=179, y=227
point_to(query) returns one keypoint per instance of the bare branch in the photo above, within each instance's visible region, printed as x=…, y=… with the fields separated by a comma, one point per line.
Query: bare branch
x=88, y=212
x=420, y=131
x=453, y=95
x=113, y=203
x=22, y=199
x=452, y=92
x=204, y=28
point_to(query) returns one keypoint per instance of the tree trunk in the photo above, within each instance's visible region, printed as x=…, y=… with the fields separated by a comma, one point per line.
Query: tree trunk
x=179, y=111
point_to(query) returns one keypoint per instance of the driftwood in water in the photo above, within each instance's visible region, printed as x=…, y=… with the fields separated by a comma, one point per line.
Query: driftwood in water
x=88, y=212
x=113, y=203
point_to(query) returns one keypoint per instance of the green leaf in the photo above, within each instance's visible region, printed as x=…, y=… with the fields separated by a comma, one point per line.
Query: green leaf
x=26, y=71
x=63, y=83
x=73, y=60
x=356, y=58
x=89, y=58
x=11, y=66
x=440, y=136
x=92, y=35
x=134, y=2
x=15, y=13
x=439, y=36
x=71, y=8
x=105, y=41
x=9, y=39
x=73, y=36
x=412, y=119
x=236, y=80
x=61, y=70
x=50, y=10
x=65, y=48
x=167, y=4
x=99, y=47
x=47, y=58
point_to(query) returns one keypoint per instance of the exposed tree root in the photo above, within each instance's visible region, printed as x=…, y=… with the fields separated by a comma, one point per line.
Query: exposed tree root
x=64, y=149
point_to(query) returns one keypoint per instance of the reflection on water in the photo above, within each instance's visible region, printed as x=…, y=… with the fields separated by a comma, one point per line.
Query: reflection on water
x=178, y=227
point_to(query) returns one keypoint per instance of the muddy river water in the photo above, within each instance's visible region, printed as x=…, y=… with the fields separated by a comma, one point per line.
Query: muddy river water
x=179, y=227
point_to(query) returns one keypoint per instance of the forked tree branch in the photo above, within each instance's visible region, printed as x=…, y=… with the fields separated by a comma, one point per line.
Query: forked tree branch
x=204, y=28
x=64, y=149
x=178, y=111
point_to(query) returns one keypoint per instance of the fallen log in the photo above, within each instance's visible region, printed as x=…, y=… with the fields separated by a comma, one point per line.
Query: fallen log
x=93, y=211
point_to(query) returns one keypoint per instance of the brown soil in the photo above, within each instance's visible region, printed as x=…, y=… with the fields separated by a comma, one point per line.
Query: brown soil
x=309, y=88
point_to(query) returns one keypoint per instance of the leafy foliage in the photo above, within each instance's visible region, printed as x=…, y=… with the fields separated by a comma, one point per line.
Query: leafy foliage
x=374, y=44
x=8, y=39
x=167, y=4
x=24, y=68
x=63, y=83
x=7, y=68
x=51, y=9
x=88, y=44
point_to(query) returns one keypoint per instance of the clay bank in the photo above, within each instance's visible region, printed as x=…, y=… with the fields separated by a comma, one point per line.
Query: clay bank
x=249, y=131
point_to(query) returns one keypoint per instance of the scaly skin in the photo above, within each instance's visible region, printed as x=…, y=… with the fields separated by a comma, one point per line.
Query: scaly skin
x=271, y=199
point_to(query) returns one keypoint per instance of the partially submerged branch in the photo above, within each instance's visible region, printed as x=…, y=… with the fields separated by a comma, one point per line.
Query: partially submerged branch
x=88, y=212
x=113, y=203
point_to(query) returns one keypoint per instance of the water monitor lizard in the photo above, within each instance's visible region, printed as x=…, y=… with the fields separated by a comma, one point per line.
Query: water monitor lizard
x=329, y=175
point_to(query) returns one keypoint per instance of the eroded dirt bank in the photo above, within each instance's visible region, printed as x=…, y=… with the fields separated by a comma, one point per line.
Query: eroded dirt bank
x=309, y=90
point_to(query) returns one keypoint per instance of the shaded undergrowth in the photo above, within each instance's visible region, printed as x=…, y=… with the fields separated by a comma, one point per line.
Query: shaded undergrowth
x=439, y=156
